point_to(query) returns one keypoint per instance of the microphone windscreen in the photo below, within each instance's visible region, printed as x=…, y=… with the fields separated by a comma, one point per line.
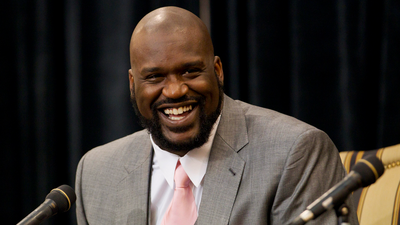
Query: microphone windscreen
x=64, y=196
x=370, y=169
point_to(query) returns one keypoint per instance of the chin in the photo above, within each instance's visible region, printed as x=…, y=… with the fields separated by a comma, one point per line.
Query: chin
x=181, y=138
x=181, y=142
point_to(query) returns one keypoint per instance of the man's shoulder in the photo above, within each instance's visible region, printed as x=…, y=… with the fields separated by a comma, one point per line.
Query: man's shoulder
x=120, y=147
x=257, y=116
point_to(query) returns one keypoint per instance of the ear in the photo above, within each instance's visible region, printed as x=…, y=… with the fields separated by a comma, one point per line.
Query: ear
x=218, y=69
x=131, y=81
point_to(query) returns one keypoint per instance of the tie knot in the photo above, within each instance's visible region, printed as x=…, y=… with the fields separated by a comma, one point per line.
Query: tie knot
x=181, y=178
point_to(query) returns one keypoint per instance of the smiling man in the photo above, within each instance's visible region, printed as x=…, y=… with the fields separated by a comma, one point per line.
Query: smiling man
x=173, y=78
x=242, y=164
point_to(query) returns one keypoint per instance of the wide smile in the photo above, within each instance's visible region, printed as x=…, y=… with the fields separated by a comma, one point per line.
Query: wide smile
x=178, y=114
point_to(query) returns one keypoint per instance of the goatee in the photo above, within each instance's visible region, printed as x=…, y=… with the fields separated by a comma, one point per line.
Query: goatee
x=206, y=123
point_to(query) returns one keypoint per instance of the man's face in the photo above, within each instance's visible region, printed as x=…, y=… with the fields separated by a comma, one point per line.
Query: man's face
x=176, y=89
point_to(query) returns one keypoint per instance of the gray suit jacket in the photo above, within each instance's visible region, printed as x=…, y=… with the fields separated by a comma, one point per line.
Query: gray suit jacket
x=264, y=168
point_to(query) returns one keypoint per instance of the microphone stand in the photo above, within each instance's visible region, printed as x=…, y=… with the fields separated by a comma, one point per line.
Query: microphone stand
x=342, y=213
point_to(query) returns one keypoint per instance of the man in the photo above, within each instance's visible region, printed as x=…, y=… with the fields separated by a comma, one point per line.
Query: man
x=246, y=164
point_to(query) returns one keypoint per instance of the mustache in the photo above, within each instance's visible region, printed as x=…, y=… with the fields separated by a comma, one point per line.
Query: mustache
x=199, y=99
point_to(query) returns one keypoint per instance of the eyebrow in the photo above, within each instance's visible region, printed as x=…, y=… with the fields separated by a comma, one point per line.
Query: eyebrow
x=150, y=70
x=197, y=63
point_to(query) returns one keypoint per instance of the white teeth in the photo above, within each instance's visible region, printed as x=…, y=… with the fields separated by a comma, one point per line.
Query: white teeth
x=177, y=117
x=178, y=111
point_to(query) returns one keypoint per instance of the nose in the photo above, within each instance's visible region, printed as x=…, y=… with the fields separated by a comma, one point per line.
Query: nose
x=175, y=88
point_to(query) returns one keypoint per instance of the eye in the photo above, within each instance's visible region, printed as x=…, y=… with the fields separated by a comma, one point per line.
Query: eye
x=192, y=73
x=193, y=70
x=156, y=77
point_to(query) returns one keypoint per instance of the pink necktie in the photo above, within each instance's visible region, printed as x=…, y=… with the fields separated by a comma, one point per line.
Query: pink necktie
x=182, y=210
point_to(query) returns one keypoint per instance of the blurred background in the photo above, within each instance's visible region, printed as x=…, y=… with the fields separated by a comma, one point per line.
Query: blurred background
x=334, y=64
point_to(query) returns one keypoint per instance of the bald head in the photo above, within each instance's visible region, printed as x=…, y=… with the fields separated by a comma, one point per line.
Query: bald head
x=170, y=22
x=173, y=67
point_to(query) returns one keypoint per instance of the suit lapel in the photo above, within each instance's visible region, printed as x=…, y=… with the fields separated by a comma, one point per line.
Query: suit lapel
x=134, y=188
x=221, y=183
x=225, y=166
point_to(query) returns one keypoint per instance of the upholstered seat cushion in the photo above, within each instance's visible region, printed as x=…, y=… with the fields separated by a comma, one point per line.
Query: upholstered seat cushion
x=379, y=203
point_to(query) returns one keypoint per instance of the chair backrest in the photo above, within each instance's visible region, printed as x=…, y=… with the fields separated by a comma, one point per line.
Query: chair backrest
x=379, y=203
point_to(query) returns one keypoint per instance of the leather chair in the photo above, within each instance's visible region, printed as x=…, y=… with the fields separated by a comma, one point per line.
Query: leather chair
x=379, y=203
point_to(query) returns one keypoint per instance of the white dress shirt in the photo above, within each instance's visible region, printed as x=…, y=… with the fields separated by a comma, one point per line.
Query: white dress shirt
x=162, y=179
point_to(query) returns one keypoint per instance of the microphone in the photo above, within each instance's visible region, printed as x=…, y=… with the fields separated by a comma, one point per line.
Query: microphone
x=58, y=200
x=363, y=174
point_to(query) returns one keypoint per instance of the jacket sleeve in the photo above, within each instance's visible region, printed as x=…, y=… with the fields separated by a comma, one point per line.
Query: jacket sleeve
x=80, y=211
x=312, y=167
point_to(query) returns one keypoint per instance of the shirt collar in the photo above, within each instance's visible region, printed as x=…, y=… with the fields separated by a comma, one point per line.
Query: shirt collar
x=194, y=162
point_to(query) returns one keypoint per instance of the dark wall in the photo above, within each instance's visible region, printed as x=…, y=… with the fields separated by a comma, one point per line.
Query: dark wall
x=333, y=64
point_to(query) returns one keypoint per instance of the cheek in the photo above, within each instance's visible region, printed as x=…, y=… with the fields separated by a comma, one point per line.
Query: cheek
x=209, y=89
x=145, y=97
